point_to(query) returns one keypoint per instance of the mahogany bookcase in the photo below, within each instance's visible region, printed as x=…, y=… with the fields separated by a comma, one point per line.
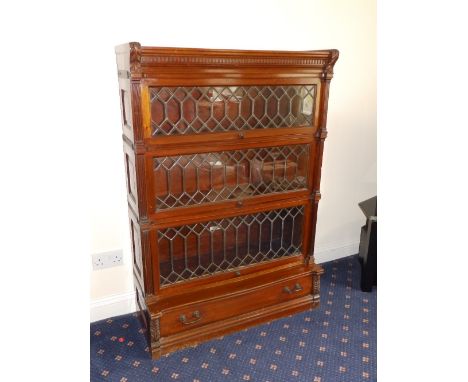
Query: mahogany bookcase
x=223, y=155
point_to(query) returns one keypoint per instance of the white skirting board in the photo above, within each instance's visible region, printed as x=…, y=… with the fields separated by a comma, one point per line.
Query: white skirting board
x=112, y=306
x=333, y=252
x=125, y=303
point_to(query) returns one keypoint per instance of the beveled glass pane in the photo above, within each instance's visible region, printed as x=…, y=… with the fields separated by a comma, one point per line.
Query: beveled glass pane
x=211, y=247
x=211, y=177
x=189, y=110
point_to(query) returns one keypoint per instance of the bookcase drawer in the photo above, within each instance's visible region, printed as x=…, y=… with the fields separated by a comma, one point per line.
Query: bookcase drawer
x=200, y=313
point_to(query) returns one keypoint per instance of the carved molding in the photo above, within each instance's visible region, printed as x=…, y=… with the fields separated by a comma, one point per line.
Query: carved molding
x=316, y=284
x=155, y=333
x=149, y=56
x=135, y=56
x=328, y=70
x=316, y=295
x=220, y=60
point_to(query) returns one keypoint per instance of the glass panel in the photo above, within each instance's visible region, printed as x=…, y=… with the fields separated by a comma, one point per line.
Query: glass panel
x=207, y=248
x=188, y=110
x=199, y=178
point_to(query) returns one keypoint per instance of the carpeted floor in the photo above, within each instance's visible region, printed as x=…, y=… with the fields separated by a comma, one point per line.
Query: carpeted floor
x=336, y=342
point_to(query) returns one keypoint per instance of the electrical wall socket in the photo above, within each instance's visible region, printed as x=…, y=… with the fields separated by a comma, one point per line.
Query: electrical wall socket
x=107, y=259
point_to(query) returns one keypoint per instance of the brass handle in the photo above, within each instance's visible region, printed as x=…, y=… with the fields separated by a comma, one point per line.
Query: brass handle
x=297, y=288
x=241, y=134
x=239, y=203
x=196, y=315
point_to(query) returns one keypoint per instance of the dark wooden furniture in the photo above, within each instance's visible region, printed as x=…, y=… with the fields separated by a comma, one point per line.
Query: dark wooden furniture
x=223, y=153
x=368, y=245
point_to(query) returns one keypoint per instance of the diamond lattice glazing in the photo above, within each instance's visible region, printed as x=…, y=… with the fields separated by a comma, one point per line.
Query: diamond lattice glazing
x=199, y=178
x=187, y=110
x=195, y=250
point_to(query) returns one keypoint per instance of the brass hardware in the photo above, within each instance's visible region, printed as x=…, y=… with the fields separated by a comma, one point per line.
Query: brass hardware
x=297, y=287
x=196, y=315
x=238, y=273
x=287, y=290
x=239, y=203
x=241, y=135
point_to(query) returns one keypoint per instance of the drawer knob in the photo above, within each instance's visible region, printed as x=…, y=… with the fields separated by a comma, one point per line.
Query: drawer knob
x=239, y=203
x=297, y=287
x=241, y=135
x=195, y=315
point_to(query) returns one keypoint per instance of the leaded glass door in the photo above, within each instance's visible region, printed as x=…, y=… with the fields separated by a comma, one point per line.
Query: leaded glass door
x=217, y=145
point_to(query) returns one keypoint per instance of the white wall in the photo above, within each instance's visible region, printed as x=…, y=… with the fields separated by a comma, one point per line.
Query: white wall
x=349, y=170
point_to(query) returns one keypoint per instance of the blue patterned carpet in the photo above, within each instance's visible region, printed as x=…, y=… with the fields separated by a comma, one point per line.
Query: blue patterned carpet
x=336, y=342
